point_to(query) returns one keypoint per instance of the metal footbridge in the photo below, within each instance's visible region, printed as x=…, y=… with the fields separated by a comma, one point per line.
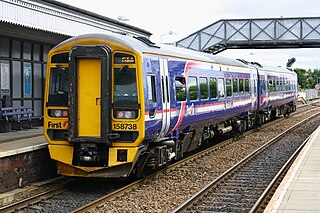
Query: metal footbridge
x=255, y=33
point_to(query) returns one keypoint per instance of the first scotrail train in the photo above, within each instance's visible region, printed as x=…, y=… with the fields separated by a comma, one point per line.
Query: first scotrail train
x=118, y=105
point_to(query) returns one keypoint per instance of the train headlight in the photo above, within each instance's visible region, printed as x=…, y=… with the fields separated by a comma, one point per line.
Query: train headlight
x=125, y=114
x=128, y=114
x=58, y=113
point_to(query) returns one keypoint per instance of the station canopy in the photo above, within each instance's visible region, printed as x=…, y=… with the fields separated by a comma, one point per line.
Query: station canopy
x=53, y=17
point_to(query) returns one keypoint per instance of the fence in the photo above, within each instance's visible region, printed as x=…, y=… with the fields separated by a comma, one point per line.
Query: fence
x=310, y=94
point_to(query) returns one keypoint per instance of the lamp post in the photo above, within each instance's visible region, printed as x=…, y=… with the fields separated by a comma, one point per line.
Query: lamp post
x=168, y=33
x=123, y=18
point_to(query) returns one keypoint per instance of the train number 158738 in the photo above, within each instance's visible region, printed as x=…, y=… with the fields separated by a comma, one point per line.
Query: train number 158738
x=125, y=126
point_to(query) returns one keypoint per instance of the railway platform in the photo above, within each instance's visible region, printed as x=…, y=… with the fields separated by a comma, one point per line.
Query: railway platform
x=299, y=191
x=24, y=159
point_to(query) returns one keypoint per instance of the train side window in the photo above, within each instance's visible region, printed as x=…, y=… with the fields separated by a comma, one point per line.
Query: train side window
x=263, y=86
x=193, y=88
x=203, y=82
x=151, y=88
x=241, y=86
x=280, y=85
x=180, y=84
x=221, y=92
x=235, y=86
x=246, y=86
x=229, y=87
x=271, y=86
x=286, y=85
x=213, y=87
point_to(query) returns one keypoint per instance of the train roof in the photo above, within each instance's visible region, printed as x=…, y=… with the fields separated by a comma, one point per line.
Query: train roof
x=144, y=46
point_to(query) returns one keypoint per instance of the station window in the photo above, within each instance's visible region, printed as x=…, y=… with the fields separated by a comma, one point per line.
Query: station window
x=213, y=87
x=151, y=88
x=180, y=88
x=193, y=88
x=241, y=86
x=229, y=87
x=246, y=86
x=203, y=82
x=221, y=92
x=235, y=87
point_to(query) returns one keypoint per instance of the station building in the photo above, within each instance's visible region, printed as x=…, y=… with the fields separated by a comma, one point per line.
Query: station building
x=28, y=30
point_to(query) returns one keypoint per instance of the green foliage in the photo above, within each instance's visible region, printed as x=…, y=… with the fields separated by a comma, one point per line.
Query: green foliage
x=307, y=79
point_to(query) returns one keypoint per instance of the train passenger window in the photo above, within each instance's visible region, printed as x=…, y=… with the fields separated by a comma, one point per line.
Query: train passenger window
x=280, y=85
x=221, y=92
x=263, y=86
x=193, y=88
x=270, y=86
x=229, y=87
x=286, y=85
x=274, y=85
x=213, y=87
x=151, y=82
x=235, y=87
x=241, y=86
x=203, y=82
x=246, y=86
x=180, y=89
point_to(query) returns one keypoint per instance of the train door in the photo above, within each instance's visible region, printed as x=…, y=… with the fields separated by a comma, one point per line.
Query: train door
x=90, y=101
x=165, y=90
x=89, y=97
x=253, y=89
x=229, y=99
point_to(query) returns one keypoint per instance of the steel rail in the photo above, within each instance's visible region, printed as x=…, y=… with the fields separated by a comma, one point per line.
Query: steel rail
x=277, y=179
x=203, y=191
x=34, y=199
x=173, y=166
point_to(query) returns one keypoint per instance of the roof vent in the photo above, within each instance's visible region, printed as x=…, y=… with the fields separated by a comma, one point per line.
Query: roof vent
x=146, y=41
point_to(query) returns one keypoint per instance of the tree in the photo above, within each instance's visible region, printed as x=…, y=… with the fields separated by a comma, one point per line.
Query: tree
x=307, y=79
x=302, y=77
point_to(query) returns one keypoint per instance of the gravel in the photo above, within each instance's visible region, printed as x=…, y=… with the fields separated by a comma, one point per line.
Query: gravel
x=171, y=189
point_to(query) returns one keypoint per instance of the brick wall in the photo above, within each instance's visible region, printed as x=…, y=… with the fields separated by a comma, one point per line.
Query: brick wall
x=30, y=166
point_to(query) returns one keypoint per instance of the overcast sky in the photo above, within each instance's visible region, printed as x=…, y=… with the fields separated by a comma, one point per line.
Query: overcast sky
x=185, y=17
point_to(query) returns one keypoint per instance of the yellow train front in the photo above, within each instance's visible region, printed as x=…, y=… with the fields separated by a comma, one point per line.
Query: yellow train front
x=93, y=120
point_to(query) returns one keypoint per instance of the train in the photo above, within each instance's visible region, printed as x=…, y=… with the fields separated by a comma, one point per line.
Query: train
x=117, y=106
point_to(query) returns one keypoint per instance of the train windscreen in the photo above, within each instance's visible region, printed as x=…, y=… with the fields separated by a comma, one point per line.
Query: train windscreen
x=125, y=87
x=58, y=92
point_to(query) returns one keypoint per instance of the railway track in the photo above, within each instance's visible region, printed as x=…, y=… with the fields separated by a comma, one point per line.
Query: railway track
x=31, y=201
x=135, y=186
x=247, y=186
x=34, y=206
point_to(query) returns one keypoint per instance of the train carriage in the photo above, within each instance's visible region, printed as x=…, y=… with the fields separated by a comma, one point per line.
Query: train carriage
x=117, y=105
